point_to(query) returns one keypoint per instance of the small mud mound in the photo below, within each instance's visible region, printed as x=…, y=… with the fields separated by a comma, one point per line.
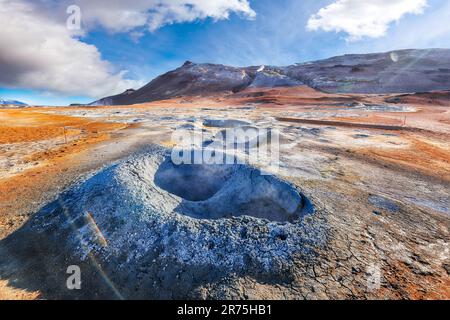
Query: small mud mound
x=225, y=123
x=145, y=228
x=225, y=191
x=384, y=203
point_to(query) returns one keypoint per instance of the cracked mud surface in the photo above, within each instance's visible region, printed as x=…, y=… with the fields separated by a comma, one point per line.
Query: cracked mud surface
x=381, y=200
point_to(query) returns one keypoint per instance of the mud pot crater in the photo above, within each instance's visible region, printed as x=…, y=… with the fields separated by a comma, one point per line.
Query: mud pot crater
x=225, y=191
x=164, y=230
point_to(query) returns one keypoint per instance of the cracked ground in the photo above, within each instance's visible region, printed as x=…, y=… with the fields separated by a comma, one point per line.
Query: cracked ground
x=380, y=172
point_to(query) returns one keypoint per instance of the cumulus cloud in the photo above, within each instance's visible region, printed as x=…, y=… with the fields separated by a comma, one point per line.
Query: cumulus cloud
x=369, y=18
x=127, y=15
x=123, y=16
x=39, y=52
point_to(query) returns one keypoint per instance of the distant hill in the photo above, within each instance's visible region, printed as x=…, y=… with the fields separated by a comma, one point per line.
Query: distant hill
x=119, y=99
x=4, y=102
x=404, y=71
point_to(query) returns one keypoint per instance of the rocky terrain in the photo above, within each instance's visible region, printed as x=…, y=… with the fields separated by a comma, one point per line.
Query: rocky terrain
x=391, y=72
x=357, y=207
x=405, y=71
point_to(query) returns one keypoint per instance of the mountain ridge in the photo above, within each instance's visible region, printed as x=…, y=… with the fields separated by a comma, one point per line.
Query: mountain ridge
x=400, y=71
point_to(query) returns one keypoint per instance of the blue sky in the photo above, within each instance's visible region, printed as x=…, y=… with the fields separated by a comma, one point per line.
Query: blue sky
x=277, y=35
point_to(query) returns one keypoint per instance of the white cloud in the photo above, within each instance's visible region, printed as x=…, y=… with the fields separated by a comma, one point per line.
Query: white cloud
x=38, y=52
x=127, y=15
x=368, y=18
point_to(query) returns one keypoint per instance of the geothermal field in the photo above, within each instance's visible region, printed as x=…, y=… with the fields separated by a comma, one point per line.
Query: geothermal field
x=355, y=207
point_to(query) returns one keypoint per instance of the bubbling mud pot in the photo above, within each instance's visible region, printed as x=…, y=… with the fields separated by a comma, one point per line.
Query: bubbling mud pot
x=157, y=230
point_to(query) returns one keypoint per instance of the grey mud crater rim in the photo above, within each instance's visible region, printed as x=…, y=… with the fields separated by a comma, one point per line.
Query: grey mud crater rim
x=123, y=219
x=226, y=191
